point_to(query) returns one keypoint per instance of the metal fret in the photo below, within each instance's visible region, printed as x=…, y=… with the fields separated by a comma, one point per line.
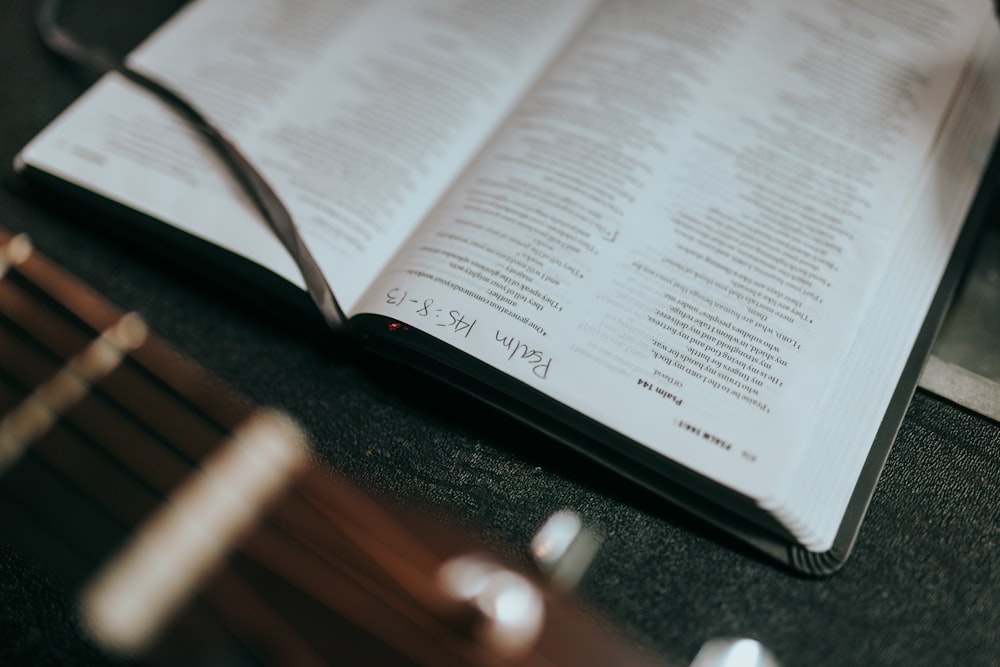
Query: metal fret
x=172, y=553
x=40, y=410
x=14, y=252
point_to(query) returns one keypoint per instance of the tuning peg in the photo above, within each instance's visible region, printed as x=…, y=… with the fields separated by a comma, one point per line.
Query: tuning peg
x=511, y=610
x=734, y=653
x=563, y=548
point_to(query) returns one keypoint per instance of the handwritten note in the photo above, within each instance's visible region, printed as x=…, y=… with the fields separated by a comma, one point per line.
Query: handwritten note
x=453, y=320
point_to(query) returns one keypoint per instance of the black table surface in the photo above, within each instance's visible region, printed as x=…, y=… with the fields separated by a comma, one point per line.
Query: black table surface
x=922, y=587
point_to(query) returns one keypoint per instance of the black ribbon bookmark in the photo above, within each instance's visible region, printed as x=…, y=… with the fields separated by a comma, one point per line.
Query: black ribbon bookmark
x=253, y=182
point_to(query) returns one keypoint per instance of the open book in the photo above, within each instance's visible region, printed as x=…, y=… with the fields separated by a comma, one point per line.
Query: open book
x=697, y=240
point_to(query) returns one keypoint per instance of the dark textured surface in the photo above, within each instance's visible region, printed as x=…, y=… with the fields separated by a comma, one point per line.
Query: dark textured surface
x=923, y=585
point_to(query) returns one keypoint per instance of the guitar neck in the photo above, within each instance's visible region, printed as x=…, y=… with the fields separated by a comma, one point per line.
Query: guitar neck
x=195, y=523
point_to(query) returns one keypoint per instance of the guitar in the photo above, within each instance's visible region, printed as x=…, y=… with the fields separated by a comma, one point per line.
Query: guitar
x=198, y=527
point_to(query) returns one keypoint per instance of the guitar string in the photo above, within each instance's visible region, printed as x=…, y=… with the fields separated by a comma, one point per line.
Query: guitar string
x=54, y=450
x=57, y=454
x=74, y=470
x=265, y=199
x=124, y=440
x=249, y=603
x=134, y=394
x=348, y=605
x=72, y=456
x=18, y=515
x=249, y=614
x=45, y=283
x=374, y=605
x=70, y=447
x=107, y=421
x=61, y=391
x=125, y=493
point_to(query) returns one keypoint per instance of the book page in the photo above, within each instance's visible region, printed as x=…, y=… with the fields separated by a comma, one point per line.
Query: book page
x=931, y=221
x=679, y=232
x=359, y=112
